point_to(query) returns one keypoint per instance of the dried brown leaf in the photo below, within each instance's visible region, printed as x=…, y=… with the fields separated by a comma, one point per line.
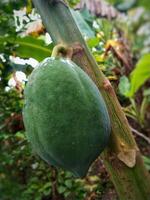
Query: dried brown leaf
x=121, y=51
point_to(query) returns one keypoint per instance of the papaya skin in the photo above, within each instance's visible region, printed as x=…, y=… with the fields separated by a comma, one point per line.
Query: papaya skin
x=65, y=116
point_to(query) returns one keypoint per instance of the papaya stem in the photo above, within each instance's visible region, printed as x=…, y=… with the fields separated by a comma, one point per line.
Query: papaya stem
x=62, y=50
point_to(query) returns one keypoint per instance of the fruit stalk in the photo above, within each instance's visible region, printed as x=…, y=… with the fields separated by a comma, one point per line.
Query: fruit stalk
x=122, y=157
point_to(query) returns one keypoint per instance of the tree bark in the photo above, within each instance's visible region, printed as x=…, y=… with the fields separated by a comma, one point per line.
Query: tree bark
x=122, y=157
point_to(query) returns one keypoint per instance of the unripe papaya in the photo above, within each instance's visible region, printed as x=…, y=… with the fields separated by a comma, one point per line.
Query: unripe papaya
x=65, y=116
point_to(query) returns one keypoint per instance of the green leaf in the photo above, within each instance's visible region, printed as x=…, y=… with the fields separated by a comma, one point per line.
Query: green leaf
x=126, y=5
x=61, y=189
x=68, y=174
x=146, y=95
x=82, y=24
x=68, y=183
x=144, y=3
x=146, y=92
x=67, y=193
x=86, y=15
x=92, y=42
x=124, y=85
x=47, y=185
x=140, y=74
x=27, y=47
x=147, y=162
x=20, y=135
x=106, y=27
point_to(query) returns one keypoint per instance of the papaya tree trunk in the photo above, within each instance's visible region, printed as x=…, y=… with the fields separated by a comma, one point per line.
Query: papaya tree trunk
x=122, y=157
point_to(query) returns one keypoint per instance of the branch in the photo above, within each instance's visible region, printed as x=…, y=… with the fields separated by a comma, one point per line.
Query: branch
x=140, y=134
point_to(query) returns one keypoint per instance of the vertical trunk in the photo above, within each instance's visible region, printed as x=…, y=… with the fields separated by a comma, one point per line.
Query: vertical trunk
x=122, y=157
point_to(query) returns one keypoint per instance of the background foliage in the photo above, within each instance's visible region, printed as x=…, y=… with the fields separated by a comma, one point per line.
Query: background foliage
x=121, y=46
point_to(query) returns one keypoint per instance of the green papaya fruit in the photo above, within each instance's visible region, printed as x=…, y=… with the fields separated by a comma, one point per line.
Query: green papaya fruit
x=65, y=116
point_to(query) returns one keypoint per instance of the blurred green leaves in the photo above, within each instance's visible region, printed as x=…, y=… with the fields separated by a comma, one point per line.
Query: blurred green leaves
x=138, y=77
x=7, y=25
x=92, y=42
x=147, y=162
x=26, y=47
x=140, y=74
x=85, y=29
x=126, y=5
x=124, y=85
